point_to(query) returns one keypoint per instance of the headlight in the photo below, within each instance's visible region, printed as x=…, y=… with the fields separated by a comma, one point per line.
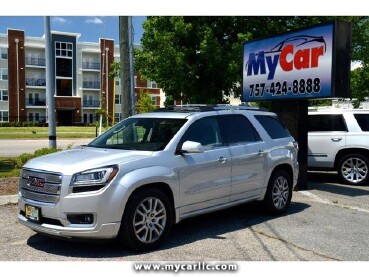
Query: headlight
x=98, y=176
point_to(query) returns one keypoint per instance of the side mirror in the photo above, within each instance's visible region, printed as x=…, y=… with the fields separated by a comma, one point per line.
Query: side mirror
x=192, y=147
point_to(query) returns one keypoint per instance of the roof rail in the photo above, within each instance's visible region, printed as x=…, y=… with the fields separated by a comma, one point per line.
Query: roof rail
x=207, y=108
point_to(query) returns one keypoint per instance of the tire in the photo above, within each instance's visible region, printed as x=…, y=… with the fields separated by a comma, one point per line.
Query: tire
x=353, y=169
x=279, y=193
x=147, y=220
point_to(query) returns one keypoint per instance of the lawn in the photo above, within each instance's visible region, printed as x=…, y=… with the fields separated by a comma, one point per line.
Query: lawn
x=7, y=167
x=43, y=133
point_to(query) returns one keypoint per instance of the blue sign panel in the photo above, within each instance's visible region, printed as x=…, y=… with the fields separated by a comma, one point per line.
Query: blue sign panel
x=290, y=66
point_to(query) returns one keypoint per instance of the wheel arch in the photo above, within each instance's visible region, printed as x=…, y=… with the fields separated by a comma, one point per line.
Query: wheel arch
x=347, y=151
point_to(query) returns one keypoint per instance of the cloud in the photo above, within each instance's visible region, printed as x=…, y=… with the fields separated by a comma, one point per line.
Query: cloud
x=58, y=20
x=94, y=20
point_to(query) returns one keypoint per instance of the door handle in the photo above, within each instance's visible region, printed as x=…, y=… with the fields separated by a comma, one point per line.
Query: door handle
x=222, y=160
x=336, y=139
x=261, y=153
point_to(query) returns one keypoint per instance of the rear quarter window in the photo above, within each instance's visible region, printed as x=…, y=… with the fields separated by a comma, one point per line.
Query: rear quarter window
x=363, y=121
x=273, y=126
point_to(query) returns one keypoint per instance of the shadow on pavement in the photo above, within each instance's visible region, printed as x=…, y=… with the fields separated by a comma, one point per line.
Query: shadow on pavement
x=330, y=182
x=213, y=225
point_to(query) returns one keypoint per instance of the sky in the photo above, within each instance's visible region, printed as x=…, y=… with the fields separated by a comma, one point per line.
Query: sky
x=91, y=28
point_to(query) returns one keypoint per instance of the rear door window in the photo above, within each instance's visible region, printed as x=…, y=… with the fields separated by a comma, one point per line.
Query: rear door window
x=326, y=123
x=273, y=126
x=237, y=129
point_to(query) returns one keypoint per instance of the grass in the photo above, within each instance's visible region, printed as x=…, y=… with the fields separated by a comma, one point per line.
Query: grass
x=7, y=167
x=43, y=132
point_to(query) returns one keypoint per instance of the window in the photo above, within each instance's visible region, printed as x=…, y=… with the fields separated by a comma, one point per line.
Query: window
x=3, y=95
x=30, y=117
x=153, y=100
x=63, y=49
x=151, y=84
x=3, y=74
x=273, y=126
x=64, y=67
x=4, y=116
x=204, y=131
x=3, y=53
x=118, y=99
x=237, y=129
x=117, y=117
x=63, y=87
x=37, y=116
x=117, y=81
x=363, y=121
x=326, y=123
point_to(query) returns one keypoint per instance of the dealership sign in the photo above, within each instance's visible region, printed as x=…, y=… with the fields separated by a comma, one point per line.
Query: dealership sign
x=308, y=63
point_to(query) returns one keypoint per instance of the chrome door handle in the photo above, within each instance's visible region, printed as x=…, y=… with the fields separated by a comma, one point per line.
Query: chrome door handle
x=336, y=139
x=222, y=159
x=261, y=153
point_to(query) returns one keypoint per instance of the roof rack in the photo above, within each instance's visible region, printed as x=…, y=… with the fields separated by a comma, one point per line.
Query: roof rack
x=207, y=108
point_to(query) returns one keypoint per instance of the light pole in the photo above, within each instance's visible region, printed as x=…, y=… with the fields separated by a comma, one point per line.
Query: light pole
x=17, y=59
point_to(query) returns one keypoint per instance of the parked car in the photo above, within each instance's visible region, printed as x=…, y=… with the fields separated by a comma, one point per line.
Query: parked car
x=152, y=170
x=339, y=140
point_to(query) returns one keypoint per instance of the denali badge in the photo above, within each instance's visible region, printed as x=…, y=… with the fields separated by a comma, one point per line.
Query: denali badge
x=36, y=182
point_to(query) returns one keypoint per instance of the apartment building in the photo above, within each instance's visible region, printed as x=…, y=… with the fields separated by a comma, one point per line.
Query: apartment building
x=82, y=85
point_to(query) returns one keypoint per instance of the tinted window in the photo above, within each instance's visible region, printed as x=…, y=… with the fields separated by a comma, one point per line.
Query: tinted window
x=326, y=123
x=363, y=121
x=204, y=131
x=237, y=129
x=273, y=126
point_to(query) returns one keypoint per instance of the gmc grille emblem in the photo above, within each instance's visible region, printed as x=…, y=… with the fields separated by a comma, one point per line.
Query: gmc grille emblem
x=36, y=182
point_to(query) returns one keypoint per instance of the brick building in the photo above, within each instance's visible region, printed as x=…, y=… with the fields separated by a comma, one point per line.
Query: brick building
x=80, y=75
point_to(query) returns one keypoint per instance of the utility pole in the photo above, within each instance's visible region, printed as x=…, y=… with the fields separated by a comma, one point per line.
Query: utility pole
x=50, y=86
x=124, y=47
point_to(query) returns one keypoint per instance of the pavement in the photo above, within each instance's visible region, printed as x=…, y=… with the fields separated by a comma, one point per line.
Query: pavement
x=14, y=148
x=328, y=222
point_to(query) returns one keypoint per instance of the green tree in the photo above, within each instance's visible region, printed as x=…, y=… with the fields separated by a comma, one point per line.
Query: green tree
x=144, y=103
x=199, y=59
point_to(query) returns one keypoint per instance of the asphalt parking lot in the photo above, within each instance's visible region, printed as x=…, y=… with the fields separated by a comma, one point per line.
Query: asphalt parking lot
x=329, y=222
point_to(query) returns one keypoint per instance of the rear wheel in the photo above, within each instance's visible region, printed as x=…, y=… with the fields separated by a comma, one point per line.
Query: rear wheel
x=353, y=169
x=279, y=193
x=147, y=220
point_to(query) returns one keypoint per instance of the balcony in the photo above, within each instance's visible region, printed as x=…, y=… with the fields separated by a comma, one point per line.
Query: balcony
x=35, y=61
x=91, y=85
x=91, y=65
x=91, y=103
x=35, y=102
x=35, y=82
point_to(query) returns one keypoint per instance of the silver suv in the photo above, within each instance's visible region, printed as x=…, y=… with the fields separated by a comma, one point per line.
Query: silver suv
x=339, y=140
x=152, y=170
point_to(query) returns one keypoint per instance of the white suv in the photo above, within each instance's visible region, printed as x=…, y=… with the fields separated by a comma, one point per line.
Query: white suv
x=152, y=170
x=339, y=140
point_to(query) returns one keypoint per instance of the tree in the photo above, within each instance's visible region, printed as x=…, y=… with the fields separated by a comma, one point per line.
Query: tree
x=199, y=59
x=144, y=103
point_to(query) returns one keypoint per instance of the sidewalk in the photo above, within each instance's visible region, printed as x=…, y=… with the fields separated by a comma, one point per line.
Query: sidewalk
x=8, y=199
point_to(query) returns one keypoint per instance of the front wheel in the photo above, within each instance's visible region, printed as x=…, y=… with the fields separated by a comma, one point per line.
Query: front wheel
x=279, y=192
x=353, y=169
x=147, y=220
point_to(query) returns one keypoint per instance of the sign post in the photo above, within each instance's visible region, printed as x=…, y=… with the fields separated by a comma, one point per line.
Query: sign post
x=290, y=68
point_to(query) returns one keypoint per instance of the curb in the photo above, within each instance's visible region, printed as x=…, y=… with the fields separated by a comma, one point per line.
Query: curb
x=8, y=199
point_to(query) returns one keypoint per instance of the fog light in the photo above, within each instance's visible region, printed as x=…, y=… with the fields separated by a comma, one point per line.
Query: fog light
x=80, y=218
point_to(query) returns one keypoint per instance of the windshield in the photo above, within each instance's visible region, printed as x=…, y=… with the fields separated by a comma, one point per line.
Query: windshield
x=146, y=134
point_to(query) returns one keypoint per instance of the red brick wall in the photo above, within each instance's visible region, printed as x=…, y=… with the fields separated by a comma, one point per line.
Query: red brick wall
x=104, y=43
x=72, y=103
x=12, y=76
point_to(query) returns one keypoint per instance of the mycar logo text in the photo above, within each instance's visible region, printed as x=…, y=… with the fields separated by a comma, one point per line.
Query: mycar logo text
x=291, y=54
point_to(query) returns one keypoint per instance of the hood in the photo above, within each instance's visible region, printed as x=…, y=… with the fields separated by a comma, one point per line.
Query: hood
x=82, y=158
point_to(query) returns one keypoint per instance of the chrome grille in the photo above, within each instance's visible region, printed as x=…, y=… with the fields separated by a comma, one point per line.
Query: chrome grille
x=40, y=185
